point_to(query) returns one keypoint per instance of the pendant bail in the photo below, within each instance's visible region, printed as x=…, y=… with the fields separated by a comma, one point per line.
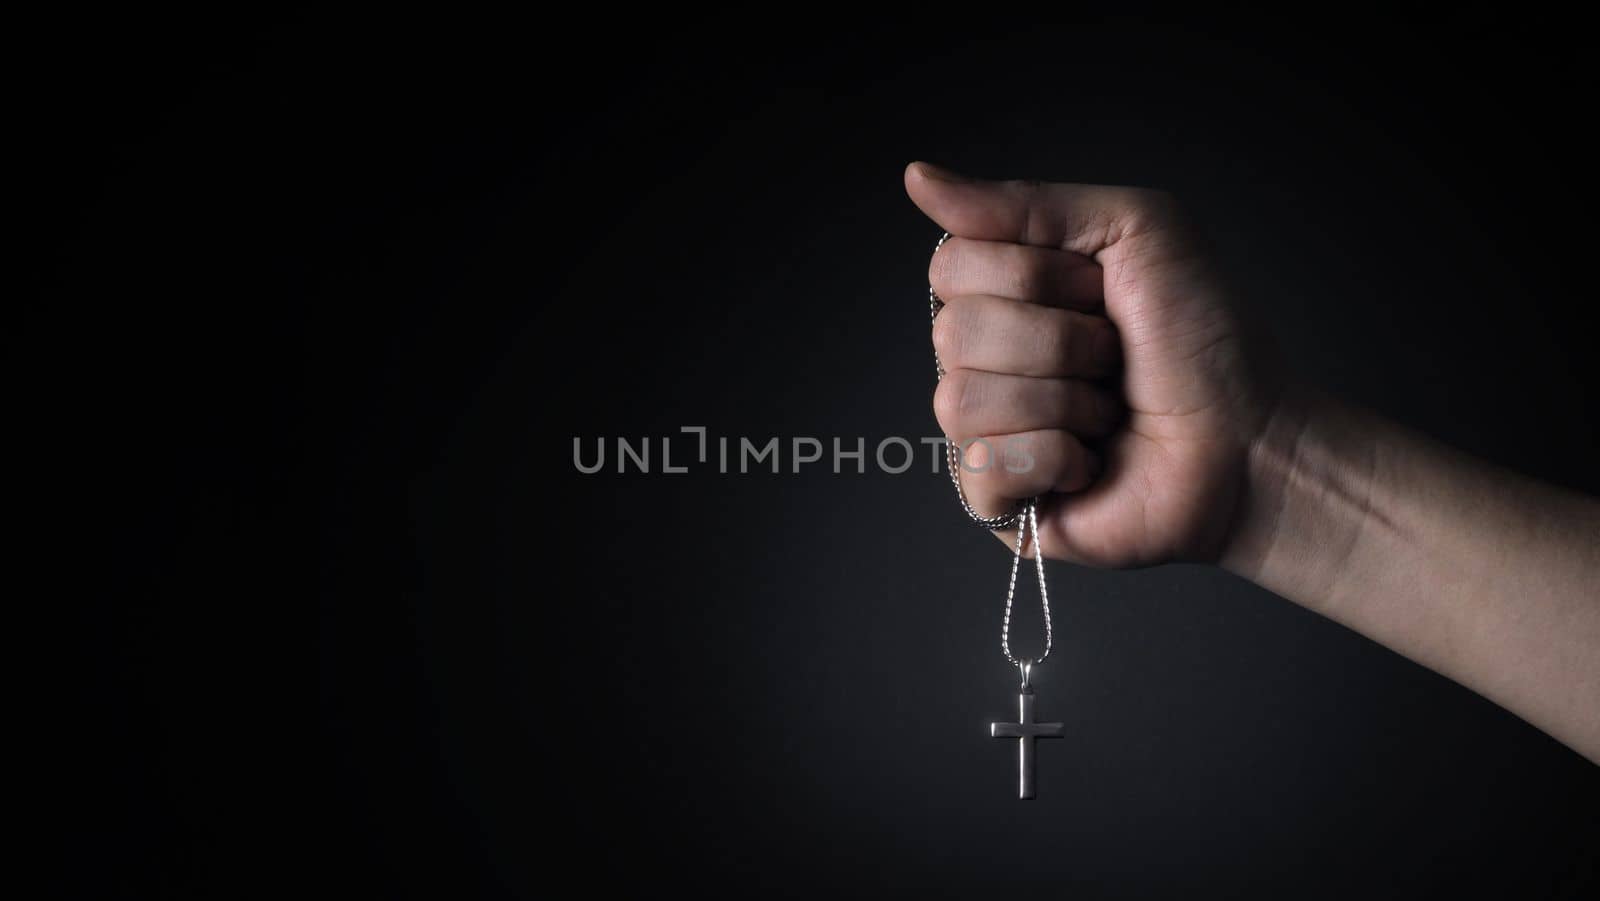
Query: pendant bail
x=1026, y=666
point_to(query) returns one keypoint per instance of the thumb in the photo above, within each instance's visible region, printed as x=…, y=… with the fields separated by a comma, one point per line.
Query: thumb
x=1084, y=219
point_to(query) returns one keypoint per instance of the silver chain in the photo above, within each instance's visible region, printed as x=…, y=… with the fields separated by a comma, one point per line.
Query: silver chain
x=1029, y=518
x=1025, y=517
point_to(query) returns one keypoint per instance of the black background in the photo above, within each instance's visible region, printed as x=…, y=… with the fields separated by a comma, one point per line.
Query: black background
x=326, y=303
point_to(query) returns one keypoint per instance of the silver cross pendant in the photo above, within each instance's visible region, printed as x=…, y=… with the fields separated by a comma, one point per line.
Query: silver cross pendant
x=1025, y=730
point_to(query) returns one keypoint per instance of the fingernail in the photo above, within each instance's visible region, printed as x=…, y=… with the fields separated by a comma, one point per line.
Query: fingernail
x=945, y=175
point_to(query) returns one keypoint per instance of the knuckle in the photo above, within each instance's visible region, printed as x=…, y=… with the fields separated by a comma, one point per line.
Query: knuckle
x=948, y=328
x=948, y=401
x=942, y=267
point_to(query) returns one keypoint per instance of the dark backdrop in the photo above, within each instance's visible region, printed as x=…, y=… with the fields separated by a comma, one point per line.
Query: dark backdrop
x=327, y=303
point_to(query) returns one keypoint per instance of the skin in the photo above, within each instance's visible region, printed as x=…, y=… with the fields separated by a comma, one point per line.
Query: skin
x=1085, y=327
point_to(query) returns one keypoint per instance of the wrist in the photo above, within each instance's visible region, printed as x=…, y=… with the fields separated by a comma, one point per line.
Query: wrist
x=1306, y=499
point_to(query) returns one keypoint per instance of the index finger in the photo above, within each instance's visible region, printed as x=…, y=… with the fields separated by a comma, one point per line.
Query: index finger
x=1042, y=275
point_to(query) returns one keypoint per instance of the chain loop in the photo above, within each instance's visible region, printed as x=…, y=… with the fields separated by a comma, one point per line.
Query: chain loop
x=1028, y=519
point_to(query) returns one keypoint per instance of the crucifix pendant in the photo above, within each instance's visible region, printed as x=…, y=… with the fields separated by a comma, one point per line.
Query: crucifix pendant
x=1025, y=730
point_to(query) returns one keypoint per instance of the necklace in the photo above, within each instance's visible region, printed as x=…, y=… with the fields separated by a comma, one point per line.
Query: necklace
x=1026, y=519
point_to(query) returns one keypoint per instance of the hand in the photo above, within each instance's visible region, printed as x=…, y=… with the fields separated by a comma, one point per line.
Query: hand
x=1082, y=324
x=1064, y=302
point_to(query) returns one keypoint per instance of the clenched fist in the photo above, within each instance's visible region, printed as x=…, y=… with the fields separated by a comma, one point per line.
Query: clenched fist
x=1083, y=331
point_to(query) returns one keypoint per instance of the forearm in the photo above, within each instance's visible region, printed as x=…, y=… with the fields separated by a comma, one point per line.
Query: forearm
x=1485, y=576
